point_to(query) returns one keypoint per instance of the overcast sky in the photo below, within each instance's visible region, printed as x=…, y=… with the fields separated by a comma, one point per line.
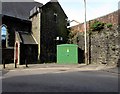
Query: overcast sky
x=95, y=8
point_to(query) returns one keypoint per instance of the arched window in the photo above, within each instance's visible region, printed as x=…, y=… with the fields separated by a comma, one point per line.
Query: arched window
x=3, y=35
x=3, y=32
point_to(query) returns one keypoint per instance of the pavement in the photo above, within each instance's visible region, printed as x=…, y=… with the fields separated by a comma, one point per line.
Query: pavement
x=64, y=67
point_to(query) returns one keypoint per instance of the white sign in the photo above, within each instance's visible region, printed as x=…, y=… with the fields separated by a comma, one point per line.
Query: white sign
x=68, y=50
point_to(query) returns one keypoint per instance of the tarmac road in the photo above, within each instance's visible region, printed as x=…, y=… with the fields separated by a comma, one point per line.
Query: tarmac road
x=59, y=80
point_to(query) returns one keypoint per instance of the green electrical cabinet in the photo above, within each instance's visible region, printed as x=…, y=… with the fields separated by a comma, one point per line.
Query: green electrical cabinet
x=67, y=54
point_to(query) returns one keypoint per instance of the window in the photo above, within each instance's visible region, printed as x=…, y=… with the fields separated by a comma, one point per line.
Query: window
x=55, y=17
x=3, y=32
x=3, y=35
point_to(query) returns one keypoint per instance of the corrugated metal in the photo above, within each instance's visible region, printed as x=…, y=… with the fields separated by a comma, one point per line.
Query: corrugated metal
x=19, y=9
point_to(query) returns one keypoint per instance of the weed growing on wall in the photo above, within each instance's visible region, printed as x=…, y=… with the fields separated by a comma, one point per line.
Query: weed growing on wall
x=109, y=25
x=97, y=26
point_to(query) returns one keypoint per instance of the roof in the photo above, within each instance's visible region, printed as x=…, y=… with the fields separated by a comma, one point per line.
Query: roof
x=67, y=45
x=34, y=11
x=19, y=9
x=27, y=38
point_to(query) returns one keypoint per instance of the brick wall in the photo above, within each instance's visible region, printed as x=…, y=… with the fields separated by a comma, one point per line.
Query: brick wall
x=109, y=18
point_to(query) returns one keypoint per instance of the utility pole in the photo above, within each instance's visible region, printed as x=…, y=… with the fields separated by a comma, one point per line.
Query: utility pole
x=85, y=33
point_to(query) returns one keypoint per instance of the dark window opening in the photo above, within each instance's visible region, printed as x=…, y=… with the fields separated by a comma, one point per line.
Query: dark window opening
x=55, y=17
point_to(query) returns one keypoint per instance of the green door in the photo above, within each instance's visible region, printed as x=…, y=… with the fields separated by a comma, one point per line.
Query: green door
x=67, y=54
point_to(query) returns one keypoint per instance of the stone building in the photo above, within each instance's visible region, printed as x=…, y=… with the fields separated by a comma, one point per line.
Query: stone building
x=49, y=27
x=16, y=32
x=29, y=31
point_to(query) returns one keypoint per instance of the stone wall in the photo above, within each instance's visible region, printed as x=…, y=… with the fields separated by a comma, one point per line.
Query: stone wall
x=53, y=25
x=7, y=56
x=103, y=47
x=36, y=29
x=47, y=25
x=13, y=25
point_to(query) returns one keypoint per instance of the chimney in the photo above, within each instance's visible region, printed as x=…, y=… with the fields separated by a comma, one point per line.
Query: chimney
x=53, y=0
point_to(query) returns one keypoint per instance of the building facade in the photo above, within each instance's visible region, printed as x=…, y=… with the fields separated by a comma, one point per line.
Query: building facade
x=49, y=27
x=30, y=31
x=16, y=33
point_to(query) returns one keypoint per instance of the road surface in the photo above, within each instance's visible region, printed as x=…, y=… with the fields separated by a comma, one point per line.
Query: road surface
x=43, y=80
